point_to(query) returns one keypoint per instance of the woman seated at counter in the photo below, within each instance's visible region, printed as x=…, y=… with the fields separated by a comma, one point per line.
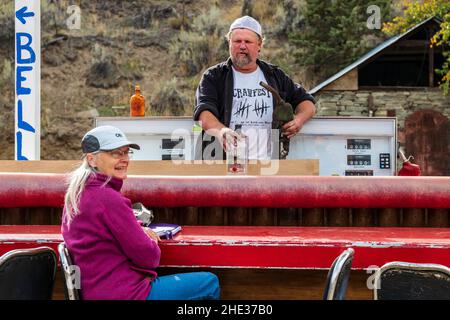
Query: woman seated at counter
x=117, y=256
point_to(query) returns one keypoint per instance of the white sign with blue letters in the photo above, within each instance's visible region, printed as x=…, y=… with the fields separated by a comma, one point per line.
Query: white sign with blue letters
x=27, y=77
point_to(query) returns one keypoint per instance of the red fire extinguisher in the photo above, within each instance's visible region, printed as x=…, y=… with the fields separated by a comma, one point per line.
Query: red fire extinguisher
x=408, y=168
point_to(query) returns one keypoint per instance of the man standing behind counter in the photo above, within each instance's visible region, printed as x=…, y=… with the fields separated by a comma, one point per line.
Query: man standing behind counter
x=229, y=94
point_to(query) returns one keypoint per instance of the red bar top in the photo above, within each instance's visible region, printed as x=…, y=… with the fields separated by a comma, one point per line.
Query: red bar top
x=263, y=235
x=271, y=247
x=30, y=232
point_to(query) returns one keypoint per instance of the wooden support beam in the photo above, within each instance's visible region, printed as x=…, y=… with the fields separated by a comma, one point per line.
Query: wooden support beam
x=431, y=67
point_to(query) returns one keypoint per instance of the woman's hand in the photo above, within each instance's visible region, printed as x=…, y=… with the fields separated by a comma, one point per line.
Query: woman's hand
x=151, y=234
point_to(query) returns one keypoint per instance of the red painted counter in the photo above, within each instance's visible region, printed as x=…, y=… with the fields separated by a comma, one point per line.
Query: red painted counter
x=272, y=247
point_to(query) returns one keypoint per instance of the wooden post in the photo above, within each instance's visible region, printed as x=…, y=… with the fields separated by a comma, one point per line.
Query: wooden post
x=413, y=217
x=13, y=216
x=431, y=67
x=313, y=217
x=213, y=216
x=438, y=218
x=177, y=215
x=263, y=217
x=388, y=217
x=338, y=217
x=237, y=217
x=162, y=215
x=40, y=215
x=56, y=215
x=288, y=217
x=363, y=217
x=190, y=216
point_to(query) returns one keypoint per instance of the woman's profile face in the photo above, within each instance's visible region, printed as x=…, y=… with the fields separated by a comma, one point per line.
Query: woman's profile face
x=113, y=163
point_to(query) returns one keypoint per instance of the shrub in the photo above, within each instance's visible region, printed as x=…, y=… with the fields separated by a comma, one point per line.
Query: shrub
x=168, y=100
x=202, y=46
x=6, y=75
x=7, y=21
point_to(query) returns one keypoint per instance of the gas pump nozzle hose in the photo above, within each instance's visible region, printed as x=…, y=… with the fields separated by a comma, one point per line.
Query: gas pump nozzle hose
x=282, y=114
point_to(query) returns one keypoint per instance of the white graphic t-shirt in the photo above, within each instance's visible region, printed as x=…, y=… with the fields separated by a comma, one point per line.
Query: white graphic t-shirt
x=252, y=108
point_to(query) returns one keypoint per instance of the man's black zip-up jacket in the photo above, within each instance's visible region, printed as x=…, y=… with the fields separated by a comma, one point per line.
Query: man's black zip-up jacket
x=215, y=91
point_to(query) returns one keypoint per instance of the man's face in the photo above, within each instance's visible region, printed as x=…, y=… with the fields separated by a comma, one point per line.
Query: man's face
x=244, y=48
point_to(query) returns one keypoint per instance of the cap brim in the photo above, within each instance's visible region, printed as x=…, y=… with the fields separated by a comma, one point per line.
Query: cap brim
x=113, y=146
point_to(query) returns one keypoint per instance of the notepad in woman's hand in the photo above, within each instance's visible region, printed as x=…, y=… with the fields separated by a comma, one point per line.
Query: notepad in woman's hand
x=165, y=230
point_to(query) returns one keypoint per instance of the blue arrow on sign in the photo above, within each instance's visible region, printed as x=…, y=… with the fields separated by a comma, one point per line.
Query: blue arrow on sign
x=21, y=14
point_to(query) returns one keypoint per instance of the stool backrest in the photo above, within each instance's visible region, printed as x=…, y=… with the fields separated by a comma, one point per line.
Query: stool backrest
x=338, y=276
x=27, y=274
x=412, y=281
x=71, y=274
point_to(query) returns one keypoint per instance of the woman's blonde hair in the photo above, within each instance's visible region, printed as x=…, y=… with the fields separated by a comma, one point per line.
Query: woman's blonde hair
x=76, y=181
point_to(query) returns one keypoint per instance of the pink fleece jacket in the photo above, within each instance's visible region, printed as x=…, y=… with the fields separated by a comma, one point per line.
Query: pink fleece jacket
x=106, y=242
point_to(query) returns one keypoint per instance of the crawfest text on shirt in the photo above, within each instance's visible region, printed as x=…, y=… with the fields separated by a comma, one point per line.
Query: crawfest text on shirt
x=252, y=109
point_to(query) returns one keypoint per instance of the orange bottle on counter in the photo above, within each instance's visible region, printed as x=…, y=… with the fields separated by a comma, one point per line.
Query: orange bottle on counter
x=137, y=103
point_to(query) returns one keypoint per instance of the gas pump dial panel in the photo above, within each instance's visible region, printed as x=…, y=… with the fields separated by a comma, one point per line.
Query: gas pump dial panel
x=348, y=146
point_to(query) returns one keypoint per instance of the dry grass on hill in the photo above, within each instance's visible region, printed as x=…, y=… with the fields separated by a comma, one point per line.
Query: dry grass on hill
x=162, y=45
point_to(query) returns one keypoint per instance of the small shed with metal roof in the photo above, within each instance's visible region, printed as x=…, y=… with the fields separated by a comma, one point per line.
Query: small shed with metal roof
x=405, y=60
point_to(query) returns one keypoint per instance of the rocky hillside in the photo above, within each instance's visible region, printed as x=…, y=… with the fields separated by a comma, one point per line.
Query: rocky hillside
x=162, y=45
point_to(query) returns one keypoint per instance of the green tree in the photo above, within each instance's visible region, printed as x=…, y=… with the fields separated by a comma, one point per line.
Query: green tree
x=415, y=13
x=335, y=33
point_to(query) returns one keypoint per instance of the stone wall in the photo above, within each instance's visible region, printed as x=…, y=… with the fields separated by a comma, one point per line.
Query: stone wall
x=400, y=103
